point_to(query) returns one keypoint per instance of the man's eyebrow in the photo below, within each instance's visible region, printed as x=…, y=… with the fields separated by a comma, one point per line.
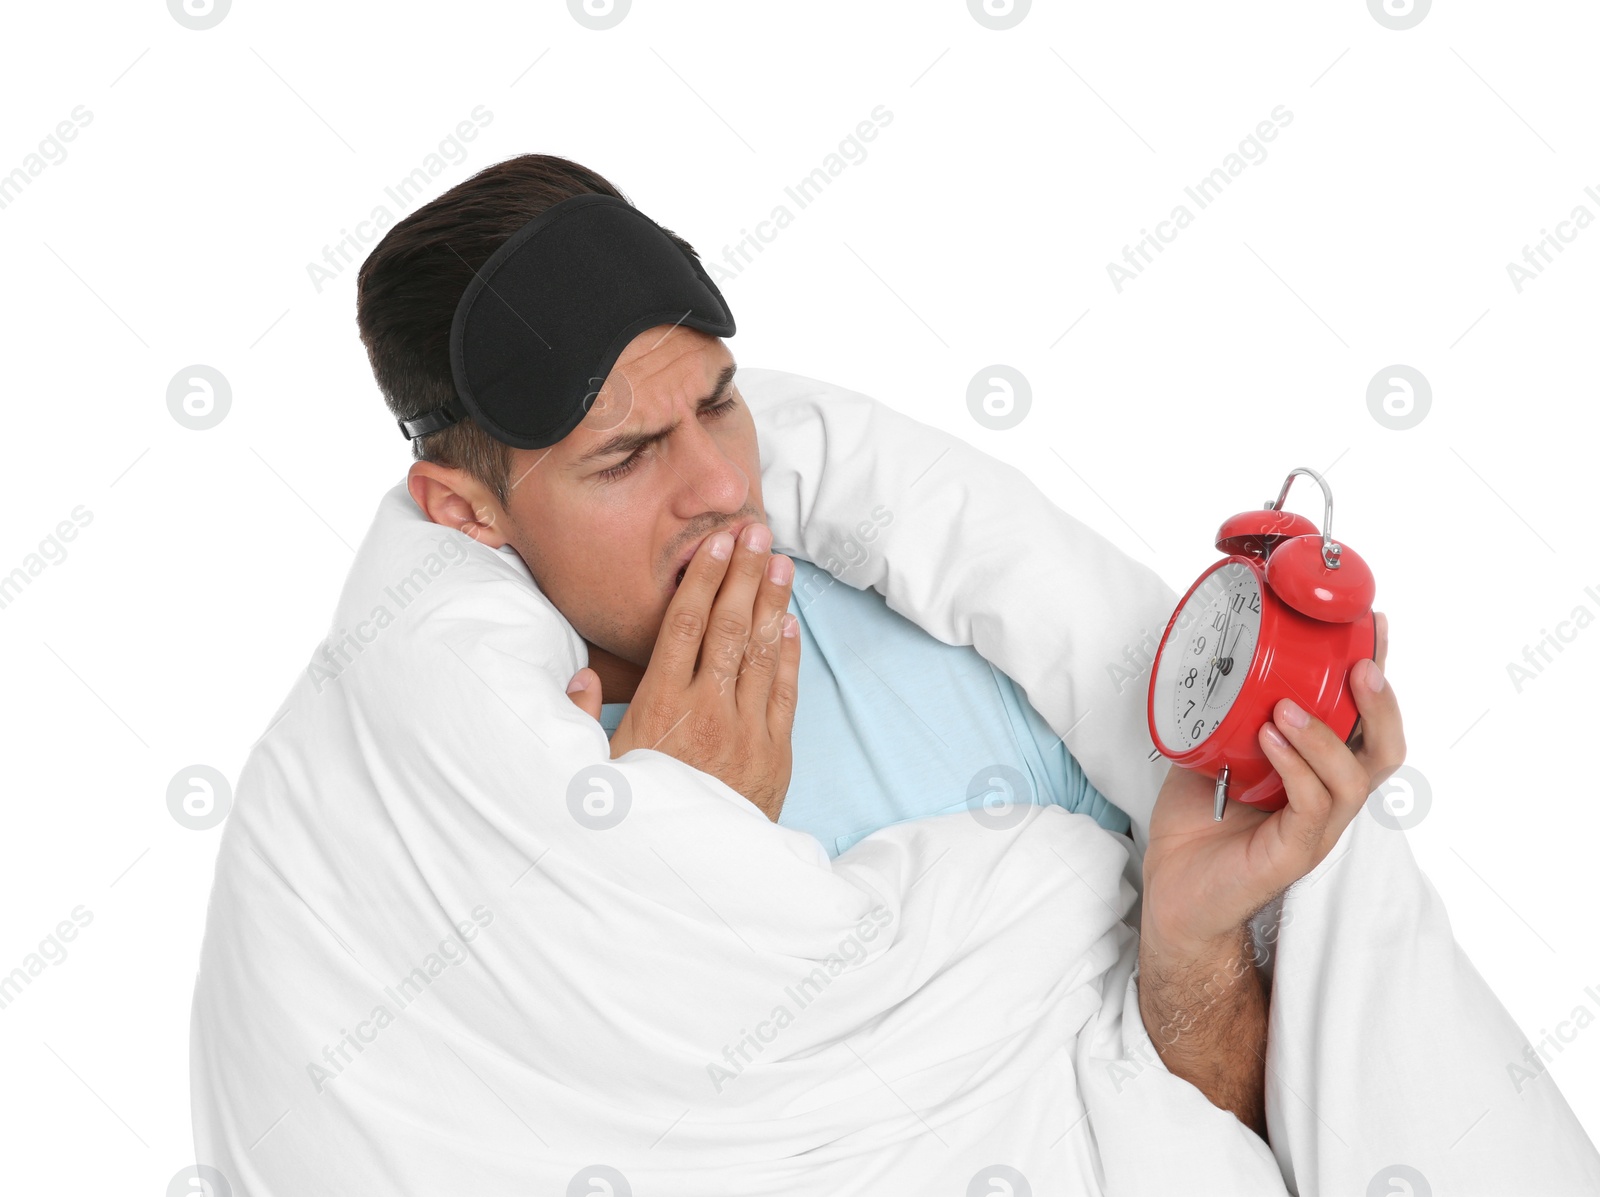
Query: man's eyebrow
x=631, y=441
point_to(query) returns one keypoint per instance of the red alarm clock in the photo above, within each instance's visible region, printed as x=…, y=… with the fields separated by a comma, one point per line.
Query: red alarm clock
x=1286, y=614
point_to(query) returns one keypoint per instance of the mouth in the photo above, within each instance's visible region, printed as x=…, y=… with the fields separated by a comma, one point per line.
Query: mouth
x=688, y=555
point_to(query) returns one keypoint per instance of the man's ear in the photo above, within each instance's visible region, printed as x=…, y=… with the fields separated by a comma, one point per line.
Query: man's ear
x=455, y=499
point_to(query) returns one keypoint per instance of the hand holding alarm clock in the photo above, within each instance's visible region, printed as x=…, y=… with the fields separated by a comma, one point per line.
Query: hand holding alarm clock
x=1286, y=613
x=1294, y=717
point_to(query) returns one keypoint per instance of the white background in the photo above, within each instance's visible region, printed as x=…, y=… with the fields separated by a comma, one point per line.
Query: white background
x=977, y=230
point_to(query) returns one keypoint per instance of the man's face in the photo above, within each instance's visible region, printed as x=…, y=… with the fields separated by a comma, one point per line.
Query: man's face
x=666, y=456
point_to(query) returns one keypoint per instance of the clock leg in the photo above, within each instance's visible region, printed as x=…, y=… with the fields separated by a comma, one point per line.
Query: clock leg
x=1221, y=794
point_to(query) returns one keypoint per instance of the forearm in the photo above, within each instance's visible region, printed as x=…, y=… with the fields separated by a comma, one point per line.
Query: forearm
x=1206, y=1013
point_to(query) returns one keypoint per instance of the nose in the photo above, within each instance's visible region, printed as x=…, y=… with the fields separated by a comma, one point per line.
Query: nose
x=714, y=480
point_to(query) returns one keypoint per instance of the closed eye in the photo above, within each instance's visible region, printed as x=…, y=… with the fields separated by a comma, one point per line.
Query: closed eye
x=627, y=465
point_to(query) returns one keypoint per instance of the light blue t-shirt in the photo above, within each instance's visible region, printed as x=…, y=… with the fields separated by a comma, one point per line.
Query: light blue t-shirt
x=893, y=724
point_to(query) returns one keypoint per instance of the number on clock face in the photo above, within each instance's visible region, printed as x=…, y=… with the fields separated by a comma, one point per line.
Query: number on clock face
x=1208, y=656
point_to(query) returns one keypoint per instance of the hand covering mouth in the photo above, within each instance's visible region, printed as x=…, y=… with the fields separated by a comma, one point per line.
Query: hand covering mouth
x=736, y=529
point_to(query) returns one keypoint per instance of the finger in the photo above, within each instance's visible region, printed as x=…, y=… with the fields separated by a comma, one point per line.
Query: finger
x=1382, y=748
x=766, y=630
x=587, y=697
x=1337, y=770
x=1380, y=652
x=684, y=625
x=728, y=628
x=785, y=693
x=1301, y=827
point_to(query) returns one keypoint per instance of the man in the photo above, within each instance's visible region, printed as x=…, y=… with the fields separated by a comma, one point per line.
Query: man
x=644, y=526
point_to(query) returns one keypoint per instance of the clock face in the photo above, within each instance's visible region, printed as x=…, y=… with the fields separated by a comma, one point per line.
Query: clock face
x=1207, y=657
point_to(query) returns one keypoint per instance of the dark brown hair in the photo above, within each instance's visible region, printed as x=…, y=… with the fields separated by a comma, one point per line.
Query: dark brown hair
x=408, y=287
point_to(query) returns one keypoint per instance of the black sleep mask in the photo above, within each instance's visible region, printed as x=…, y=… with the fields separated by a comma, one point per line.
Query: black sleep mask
x=541, y=324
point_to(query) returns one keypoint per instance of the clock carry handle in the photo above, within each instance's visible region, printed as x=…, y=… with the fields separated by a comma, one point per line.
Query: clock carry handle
x=1330, y=547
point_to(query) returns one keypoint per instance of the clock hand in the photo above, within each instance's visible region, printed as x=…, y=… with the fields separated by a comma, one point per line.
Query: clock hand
x=1216, y=677
x=1237, y=632
x=1227, y=661
x=1224, y=664
x=1216, y=660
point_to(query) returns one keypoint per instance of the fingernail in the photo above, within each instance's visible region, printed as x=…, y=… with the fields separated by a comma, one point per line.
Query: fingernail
x=757, y=537
x=1374, y=676
x=791, y=625
x=721, y=545
x=1275, y=735
x=780, y=569
x=1293, y=715
x=577, y=684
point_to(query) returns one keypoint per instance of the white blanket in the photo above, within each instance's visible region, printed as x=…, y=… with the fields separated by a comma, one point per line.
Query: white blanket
x=425, y=973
